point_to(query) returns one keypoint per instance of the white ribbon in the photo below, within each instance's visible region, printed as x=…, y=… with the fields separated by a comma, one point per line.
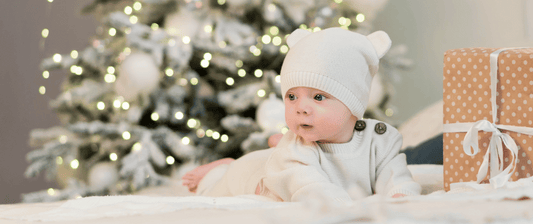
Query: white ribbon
x=499, y=176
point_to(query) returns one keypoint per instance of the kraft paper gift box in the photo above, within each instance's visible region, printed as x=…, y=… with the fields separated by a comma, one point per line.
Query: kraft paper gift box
x=468, y=86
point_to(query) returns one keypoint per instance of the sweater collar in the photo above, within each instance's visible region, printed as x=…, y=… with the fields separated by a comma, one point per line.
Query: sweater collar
x=347, y=147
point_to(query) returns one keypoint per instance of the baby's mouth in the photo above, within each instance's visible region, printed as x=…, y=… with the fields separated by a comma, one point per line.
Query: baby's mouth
x=306, y=126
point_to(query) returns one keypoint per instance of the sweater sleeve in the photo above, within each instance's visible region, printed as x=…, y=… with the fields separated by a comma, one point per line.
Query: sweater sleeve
x=293, y=173
x=392, y=175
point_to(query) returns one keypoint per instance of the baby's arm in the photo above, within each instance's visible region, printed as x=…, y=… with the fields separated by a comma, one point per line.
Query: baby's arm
x=393, y=177
x=294, y=174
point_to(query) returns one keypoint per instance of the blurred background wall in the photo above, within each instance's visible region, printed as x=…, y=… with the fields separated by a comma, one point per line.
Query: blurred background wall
x=427, y=28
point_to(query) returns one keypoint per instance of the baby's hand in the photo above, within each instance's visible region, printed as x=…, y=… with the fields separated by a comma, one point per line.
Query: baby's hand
x=399, y=195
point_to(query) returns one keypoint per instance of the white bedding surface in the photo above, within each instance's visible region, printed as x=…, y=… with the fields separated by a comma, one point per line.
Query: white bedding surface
x=424, y=209
x=174, y=204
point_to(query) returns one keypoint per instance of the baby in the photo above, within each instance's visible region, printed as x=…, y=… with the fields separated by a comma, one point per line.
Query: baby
x=328, y=150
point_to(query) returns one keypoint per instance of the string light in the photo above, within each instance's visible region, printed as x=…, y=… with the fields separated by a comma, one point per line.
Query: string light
x=169, y=72
x=110, y=78
x=154, y=26
x=278, y=79
x=126, y=135
x=63, y=139
x=46, y=74
x=303, y=26
x=116, y=103
x=208, y=56
x=284, y=49
x=261, y=93
x=74, y=164
x=78, y=71
x=360, y=17
x=258, y=73
x=113, y=157
x=182, y=81
x=241, y=72
x=128, y=10
x=216, y=135
x=274, y=30
x=42, y=90
x=276, y=41
x=204, y=63
x=100, y=105
x=222, y=44
x=230, y=81
x=111, y=69
x=338, y=1
x=209, y=133
x=170, y=160
x=154, y=116
x=59, y=160
x=224, y=138
x=191, y=123
x=56, y=58
x=51, y=191
x=171, y=42
x=342, y=20
x=238, y=63
x=112, y=31
x=266, y=39
x=134, y=19
x=127, y=51
x=316, y=29
x=178, y=115
x=50, y=1
x=137, y=6
x=125, y=105
x=200, y=133
x=185, y=140
x=45, y=33
x=257, y=52
x=74, y=54
x=208, y=28
x=284, y=130
x=136, y=147
x=389, y=112
x=73, y=68
x=221, y=2
x=194, y=81
x=186, y=40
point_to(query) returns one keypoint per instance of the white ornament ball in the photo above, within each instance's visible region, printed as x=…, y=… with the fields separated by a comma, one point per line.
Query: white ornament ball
x=103, y=175
x=270, y=114
x=138, y=75
x=184, y=23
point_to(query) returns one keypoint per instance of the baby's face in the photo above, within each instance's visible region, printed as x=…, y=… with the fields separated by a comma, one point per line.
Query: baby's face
x=318, y=116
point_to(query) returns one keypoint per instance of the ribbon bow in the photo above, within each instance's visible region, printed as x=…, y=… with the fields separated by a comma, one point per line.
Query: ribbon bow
x=499, y=176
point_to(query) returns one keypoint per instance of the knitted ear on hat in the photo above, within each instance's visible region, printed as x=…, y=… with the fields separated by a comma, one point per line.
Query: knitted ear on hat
x=296, y=36
x=381, y=42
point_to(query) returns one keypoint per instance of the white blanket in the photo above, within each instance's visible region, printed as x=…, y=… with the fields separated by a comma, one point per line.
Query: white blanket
x=502, y=204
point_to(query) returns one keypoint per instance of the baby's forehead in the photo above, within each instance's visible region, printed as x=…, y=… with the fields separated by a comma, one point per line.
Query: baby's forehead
x=305, y=88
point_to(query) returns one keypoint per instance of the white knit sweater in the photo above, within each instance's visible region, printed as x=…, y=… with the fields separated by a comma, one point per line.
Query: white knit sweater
x=369, y=162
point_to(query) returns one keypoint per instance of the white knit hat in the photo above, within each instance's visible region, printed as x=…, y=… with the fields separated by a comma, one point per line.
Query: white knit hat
x=337, y=61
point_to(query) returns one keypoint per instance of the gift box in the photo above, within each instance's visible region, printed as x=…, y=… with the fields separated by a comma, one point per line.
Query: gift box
x=472, y=76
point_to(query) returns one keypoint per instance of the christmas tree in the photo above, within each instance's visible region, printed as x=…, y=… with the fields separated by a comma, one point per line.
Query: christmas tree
x=168, y=84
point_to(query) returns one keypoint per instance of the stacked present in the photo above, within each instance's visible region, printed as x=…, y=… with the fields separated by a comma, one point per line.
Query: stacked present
x=488, y=116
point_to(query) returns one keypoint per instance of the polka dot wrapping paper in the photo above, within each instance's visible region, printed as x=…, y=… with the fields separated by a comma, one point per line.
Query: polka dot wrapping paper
x=467, y=98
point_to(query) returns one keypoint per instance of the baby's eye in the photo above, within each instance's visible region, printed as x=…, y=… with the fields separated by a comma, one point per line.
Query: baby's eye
x=291, y=97
x=319, y=97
